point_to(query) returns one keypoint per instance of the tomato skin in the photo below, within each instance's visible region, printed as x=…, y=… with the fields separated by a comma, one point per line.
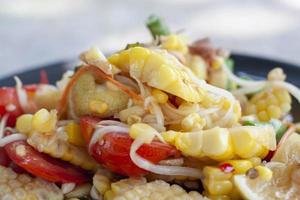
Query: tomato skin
x=42, y=165
x=4, y=159
x=113, y=152
x=87, y=126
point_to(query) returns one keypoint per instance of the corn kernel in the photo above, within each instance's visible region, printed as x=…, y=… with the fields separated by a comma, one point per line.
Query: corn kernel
x=255, y=161
x=264, y=172
x=193, y=122
x=216, y=63
x=23, y=123
x=170, y=136
x=159, y=96
x=98, y=106
x=132, y=119
x=74, y=134
x=190, y=143
x=215, y=173
x=216, y=142
x=240, y=166
x=219, y=187
x=175, y=43
x=44, y=121
x=274, y=112
x=142, y=130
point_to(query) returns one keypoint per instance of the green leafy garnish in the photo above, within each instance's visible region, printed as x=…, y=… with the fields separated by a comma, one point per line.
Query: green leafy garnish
x=157, y=26
x=278, y=126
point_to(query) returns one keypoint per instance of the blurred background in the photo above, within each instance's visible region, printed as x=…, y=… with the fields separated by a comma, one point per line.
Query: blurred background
x=34, y=33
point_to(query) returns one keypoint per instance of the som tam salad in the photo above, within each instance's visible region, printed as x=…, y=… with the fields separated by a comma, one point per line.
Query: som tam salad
x=167, y=119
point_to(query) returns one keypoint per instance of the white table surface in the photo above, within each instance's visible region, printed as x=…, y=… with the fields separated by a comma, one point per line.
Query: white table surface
x=37, y=32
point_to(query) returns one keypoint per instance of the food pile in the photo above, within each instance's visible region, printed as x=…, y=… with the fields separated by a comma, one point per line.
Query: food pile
x=164, y=120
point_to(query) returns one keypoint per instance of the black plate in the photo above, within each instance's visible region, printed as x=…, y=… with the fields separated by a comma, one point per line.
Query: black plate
x=259, y=67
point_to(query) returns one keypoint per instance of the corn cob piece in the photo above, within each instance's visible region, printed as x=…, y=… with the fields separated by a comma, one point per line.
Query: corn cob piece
x=273, y=103
x=140, y=189
x=59, y=148
x=222, y=144
x=198, y=65
x=24, y=187
x=160, y=70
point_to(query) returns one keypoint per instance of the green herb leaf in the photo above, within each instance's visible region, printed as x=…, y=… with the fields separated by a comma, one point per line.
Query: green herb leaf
x=230, y=64
x=157, y=26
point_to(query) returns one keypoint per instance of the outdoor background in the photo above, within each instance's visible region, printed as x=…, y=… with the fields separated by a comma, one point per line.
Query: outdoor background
x=34, y=33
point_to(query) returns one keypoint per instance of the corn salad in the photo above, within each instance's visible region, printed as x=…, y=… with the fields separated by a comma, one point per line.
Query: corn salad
x=165, y=119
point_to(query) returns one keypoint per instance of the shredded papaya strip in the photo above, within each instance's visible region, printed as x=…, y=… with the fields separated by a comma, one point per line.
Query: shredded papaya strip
x=96, y=71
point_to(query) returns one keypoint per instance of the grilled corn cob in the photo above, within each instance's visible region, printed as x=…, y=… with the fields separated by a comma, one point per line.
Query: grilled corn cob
x=222, y=144
x=160, y=70
x=59, y=148
x=140, y=189
x=24, y=187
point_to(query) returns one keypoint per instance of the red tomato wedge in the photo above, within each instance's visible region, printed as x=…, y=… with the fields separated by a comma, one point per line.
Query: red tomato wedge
x=44, y=166
x=98, y=73
x=4, y=159
x=113, y=150
x=9, y=98
x=113, y=153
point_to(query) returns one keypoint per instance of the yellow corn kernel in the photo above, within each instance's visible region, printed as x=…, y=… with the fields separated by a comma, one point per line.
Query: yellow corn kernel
x=23, y=123
x=240, y=166
x=219, y=187
x=216, y=63
x=264, y=172
x=98, y=106
x=170, y=136
x=215, y=173
x=44, y=121
x=190, y=143
x=175, y=43
x=74, y=134
x=255, y=161
x=274, y=112
x=216, y=143
x=133, y=119
x=142, y=130
x=159, y=96
x=244, y=144
x=193, y=122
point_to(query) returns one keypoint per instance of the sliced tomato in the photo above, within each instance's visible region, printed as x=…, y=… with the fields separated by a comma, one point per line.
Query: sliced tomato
x=44, y=166
x=87, y=126
x=113, y=150
x=9, y=104
x=4, y=159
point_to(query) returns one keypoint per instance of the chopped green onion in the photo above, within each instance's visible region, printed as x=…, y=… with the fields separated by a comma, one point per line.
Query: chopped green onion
x=157, y=26
x=278, y=126
x=131, y=45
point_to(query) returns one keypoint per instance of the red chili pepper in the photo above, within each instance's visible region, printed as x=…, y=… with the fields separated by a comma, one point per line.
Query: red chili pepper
x=226, y=167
